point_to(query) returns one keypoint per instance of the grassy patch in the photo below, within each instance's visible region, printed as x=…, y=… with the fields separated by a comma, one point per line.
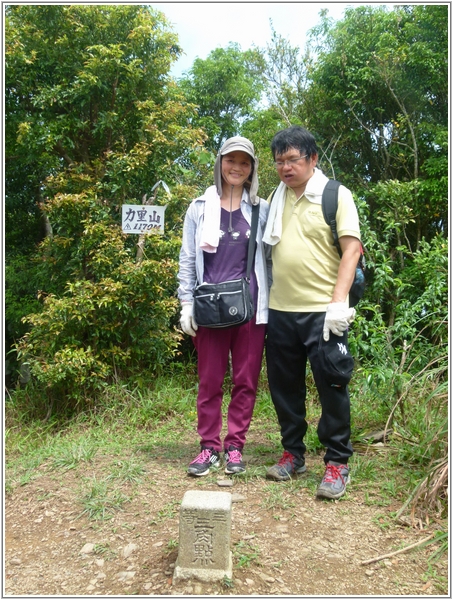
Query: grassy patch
x=246, y=554
x=276, y=497
x=70, y=456
x=99, y=501
x=127, y=470
x=103, y=549
x=168, y=511
x=131, y=430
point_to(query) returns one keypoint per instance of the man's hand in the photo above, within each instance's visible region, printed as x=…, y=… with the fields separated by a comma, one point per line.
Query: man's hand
x=338, y=317
x=187, y=320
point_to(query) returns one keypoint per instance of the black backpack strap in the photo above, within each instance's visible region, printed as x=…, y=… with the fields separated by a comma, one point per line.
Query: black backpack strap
x=273, y=194
x=329, y=209
x=252, y=238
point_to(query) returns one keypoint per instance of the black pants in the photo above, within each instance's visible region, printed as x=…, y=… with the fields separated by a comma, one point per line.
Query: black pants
x=291, y=339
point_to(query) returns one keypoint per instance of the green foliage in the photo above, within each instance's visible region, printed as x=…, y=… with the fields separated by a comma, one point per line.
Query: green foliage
x=104, y=329
x=260, y=131
x=20, y=294
x=87, y=90
x=225, y=88
x=286, y=72
x=227, y=582
x=93, y=122
x=404, y=323
x=115, y=316
x=389, y=57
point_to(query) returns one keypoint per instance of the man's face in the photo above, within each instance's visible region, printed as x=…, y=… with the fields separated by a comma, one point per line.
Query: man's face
x=294, y=170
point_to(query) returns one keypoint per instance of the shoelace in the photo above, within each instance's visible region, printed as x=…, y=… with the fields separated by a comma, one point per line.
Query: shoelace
x=234, y=456
x=287, y=457
x=332, y=474
x=203, y=457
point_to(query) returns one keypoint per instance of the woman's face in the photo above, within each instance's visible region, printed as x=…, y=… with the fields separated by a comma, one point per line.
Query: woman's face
x=236, y=167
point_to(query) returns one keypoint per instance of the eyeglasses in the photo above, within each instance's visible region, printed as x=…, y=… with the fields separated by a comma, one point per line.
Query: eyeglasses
x=281, y=163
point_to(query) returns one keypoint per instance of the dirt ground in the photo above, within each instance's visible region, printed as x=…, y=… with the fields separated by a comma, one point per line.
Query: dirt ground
x=284, y=541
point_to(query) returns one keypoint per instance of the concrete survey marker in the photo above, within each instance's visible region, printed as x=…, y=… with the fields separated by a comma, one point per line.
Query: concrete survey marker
x=204, y=537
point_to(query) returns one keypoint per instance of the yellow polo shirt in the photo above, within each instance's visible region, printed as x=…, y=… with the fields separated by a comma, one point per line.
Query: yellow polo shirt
x=305, y=262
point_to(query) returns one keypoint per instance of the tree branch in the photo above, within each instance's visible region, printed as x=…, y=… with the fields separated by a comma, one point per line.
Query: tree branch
x=377, y=558
x=62, y=152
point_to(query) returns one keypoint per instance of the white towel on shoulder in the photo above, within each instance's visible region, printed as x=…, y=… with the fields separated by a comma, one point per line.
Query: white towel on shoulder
x=313, y=193
x=273, y=232
x=211, y=224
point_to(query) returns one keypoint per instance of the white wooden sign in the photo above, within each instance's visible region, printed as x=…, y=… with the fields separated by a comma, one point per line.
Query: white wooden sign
x=143, y=218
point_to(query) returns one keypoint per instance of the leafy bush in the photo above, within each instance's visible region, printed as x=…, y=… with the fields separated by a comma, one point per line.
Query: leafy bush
x=419, y=315
x=116, y=315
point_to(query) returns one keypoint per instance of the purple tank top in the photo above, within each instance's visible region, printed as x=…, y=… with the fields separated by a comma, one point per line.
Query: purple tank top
x=230, y=260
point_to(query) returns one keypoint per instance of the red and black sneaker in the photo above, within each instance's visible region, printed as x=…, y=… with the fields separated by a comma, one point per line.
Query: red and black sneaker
x=334, y=482
x=286, y=466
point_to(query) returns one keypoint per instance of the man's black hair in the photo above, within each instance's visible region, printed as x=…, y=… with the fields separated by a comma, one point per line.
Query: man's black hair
x=294, y=137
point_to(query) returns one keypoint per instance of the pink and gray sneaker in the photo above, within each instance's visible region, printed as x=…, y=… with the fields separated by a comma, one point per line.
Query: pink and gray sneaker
x=233, y=461
x=206, y=460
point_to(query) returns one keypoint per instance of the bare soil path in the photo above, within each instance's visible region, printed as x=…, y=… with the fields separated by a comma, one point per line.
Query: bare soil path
x=284, y=541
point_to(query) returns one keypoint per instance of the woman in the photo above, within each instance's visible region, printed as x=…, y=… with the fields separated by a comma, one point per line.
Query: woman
x=214, y=249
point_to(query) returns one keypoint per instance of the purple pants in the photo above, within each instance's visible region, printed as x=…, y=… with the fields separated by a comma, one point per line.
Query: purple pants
x=246, y=343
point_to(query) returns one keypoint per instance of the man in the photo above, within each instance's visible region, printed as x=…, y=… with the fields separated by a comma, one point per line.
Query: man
x=308, y=303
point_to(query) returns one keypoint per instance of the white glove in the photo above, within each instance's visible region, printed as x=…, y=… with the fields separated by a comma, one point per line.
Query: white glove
x=338, y=317
x=187, y=320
